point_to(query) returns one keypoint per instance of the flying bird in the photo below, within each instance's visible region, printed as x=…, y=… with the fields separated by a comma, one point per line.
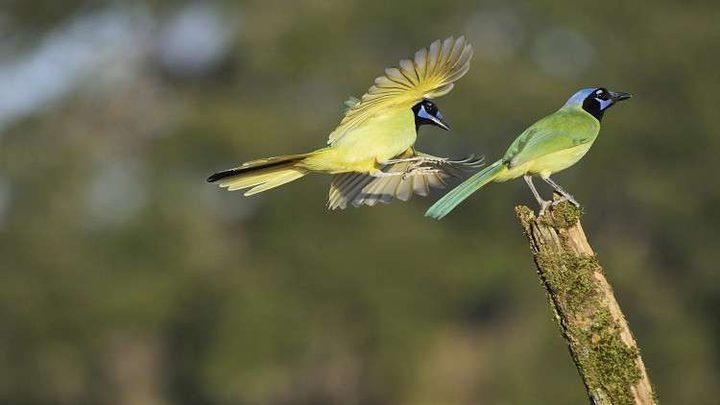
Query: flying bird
x=550, y=145
x=370, y=154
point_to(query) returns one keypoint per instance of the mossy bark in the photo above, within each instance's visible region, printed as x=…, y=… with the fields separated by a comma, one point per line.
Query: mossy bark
x=600, y=342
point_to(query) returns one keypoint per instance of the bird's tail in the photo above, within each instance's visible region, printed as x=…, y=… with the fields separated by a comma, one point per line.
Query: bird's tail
x=262, y=174
x=452, y=199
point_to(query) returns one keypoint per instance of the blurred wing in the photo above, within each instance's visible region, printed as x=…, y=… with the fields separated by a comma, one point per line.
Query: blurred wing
x=362, y=189
x=429, y=74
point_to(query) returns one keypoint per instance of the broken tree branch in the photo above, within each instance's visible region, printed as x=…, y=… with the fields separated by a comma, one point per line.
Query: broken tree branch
x=600, y=341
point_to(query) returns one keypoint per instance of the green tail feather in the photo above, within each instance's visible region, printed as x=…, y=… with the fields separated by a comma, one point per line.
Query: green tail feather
x=451, y=200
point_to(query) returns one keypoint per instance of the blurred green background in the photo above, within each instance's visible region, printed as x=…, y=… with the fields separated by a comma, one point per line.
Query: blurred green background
x=126, y=279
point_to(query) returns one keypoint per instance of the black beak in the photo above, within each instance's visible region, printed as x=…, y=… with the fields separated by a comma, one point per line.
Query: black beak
x=442, y=124
x=619, y=96
x=437, y=119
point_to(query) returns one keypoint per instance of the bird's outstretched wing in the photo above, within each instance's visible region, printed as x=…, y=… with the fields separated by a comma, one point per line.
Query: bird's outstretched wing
x=429, y=74
x=359, y=189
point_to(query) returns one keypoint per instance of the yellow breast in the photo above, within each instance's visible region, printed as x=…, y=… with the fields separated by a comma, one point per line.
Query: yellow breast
x=558, y=161
x=548, y=164
x=379, y=139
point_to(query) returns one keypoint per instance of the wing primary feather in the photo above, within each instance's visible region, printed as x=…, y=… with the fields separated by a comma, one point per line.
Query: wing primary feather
x=356, y=189
x=369, y=192
x=388, y=192
x=433, y=58
x=446, y=49
x=336, y=199
x=420, y=185
x=421, y=60
x=384, y=191
x=457, y=48
x=407, y=66
x=348, y=187
x=395, y=75
x=404, y=189
x=441, y=181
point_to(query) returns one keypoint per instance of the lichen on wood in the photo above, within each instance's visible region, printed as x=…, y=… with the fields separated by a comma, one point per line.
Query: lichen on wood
x=600, y=342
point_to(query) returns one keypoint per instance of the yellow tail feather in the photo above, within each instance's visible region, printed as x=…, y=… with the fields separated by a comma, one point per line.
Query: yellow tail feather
x=280, y=178
x=262, y=174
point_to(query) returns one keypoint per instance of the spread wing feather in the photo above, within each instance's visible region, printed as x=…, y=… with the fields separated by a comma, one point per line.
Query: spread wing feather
x=359, y=189
x=429, y=74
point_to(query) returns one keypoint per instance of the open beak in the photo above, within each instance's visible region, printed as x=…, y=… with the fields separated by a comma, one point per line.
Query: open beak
x=619, y=96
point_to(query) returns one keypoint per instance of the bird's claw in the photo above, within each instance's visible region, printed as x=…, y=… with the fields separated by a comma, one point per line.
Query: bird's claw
x=417, y=170
x=418, y=160
x=567, y=198
x=437, y=160
x=544, y=206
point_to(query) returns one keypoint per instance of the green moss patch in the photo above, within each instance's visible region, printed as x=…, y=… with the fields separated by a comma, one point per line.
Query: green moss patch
x=565, y=214
x=608, y=364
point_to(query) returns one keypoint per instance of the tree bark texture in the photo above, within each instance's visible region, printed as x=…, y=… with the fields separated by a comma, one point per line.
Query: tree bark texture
x=598, y=336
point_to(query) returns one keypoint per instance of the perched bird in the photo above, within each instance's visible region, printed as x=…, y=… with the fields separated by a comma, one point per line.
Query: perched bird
x=550, y=145
x=370, y=154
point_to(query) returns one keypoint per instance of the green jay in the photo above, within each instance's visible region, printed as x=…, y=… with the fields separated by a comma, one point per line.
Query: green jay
x=371, y=153
x=550, y=145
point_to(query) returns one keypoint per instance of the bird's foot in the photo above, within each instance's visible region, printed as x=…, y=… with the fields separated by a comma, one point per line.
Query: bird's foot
x=419, y=170
x=416, y=168
x=418, y=160
x=544, y=205
x=401, y=160
x=567, y=198
x=380, y=173
x=436, y=160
